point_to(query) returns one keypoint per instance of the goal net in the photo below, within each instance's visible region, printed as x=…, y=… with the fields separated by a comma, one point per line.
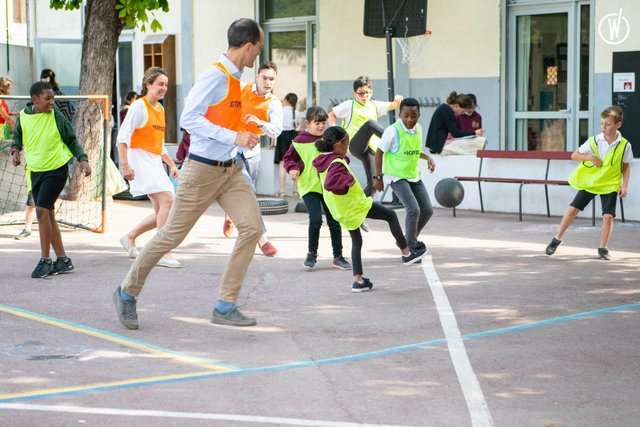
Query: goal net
x=83, y=201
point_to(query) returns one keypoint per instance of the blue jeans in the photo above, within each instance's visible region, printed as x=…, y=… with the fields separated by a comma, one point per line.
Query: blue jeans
x=315, y=204
x=415, y=199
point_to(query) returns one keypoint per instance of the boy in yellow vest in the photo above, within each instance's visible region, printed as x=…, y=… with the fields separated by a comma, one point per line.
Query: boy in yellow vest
x=603, y=170
x=360, y=120
x=50, y=142
x=396, y=164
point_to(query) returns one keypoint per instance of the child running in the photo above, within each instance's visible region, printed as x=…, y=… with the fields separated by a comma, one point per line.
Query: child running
x=604, y=170
x=50, y=142
x=349, y=205
x=396, y=162
x=298, y=164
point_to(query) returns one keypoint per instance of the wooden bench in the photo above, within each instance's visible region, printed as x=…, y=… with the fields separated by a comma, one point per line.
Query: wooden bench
x=530, y=155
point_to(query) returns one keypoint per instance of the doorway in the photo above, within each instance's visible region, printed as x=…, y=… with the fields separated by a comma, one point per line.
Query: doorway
x=549, y=76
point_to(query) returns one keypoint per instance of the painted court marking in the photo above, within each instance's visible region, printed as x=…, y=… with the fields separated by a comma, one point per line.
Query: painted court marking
x=120, y=339
x=476, y=403
x=187, y=415
x=116, y=385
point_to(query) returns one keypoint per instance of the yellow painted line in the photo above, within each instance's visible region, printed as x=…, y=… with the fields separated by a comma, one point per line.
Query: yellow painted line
x=120, y=339
x=104, y=385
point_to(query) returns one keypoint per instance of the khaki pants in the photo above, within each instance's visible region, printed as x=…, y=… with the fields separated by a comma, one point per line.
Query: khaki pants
x=201, y=185
x=464, y=146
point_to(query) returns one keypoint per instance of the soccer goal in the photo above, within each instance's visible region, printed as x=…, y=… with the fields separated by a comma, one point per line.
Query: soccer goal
x=82, y=203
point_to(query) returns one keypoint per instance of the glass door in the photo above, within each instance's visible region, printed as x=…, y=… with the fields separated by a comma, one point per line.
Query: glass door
x=543, y=77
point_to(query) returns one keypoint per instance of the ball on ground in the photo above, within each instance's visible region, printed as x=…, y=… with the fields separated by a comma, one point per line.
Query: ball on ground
x=449, y=192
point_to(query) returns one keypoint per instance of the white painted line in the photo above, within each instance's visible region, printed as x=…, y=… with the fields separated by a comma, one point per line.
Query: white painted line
x=476, y=403
x=185, y=415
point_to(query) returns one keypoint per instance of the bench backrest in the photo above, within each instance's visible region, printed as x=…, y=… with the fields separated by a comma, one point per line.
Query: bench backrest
x=513, y=154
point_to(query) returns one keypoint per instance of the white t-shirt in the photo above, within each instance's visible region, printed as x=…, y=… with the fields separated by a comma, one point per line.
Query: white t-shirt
x=389, y=142
x=150, y=174
x=288, y=119
x=343, y=110
x=604, y=147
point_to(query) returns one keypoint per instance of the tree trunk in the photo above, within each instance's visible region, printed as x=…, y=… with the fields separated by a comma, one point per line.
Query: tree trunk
x=101, y=32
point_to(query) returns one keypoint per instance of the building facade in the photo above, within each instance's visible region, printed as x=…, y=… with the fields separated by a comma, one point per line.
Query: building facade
x=542, y=70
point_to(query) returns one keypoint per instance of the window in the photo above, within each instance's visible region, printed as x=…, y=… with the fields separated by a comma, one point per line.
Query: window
x=275, y=9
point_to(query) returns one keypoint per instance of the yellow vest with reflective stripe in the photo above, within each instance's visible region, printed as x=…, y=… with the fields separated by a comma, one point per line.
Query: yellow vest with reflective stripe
x=604, y=180
x=349, y=209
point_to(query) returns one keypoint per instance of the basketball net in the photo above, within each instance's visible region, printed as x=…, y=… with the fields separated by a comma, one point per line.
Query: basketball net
x=411, y=47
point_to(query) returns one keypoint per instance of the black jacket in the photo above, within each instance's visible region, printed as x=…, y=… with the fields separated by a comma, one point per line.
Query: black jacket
x=442, y=123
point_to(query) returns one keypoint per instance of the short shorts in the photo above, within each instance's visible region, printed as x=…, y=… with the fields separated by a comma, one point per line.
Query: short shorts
x=47, y=186
x=609, y=201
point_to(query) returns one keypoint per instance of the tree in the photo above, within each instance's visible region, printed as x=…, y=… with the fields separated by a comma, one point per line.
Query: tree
x=104, y=22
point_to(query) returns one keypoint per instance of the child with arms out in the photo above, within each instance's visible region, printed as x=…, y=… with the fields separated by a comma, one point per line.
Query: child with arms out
x=350, y=206
x=50, y=142
x=604, y=170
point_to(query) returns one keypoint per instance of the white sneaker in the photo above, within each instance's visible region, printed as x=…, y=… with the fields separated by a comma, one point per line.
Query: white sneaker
x=169, y=262
x=131, y=250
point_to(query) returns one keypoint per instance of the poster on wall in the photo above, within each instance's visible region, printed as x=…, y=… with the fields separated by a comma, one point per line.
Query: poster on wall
x=624, y=82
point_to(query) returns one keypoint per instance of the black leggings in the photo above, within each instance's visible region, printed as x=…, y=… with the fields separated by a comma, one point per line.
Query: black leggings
x=359, y=147
x=377, y=211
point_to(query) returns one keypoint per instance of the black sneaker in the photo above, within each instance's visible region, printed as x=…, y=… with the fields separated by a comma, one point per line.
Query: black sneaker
x=419, y=245
x=43, y=269
x=604, y=254
x=126, y=310
x=341, y=263
x=233, y=317
x=414, y=256
x=366, y=285
x=62, y=266
x=551, y=247
x=310, y=262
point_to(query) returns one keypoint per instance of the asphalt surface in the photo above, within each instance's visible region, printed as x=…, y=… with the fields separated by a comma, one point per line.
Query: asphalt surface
x=488, y=330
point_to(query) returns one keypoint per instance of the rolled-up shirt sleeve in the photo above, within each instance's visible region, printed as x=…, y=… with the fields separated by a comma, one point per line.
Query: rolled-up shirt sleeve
x=274, y=127
x=209, y=89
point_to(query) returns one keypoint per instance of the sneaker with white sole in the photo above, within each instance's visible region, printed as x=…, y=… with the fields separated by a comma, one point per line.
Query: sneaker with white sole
x=366, y=285
x=310, y=261
x=43, y=269
x=552, y=246
x=62, y=266
x=603, y=253
x=233, y=317
x=341, y=263
x=132, y=251
x=23, y=234
x=415, y=255
x=126, y=310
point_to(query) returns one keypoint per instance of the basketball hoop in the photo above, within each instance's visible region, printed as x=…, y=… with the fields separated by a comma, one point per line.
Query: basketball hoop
x=411, y=47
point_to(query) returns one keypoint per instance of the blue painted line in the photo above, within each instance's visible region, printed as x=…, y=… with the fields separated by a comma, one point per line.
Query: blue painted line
x=123, y=338
x=351, y=358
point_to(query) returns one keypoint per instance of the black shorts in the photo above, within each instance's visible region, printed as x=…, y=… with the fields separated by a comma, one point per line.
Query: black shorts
x=609, y=201
x=47, y=186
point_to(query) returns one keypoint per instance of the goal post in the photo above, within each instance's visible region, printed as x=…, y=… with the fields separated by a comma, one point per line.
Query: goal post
x=83, y=201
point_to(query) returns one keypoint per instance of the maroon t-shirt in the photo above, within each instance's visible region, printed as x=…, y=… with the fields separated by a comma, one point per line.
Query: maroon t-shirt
x=469, y=123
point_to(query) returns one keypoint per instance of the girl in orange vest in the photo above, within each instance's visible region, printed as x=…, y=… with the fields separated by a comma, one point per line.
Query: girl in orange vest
x=141, y=149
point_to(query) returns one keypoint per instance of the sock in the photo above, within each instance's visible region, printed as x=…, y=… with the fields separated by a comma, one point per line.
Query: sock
x=125, y=296
x=224, y=306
